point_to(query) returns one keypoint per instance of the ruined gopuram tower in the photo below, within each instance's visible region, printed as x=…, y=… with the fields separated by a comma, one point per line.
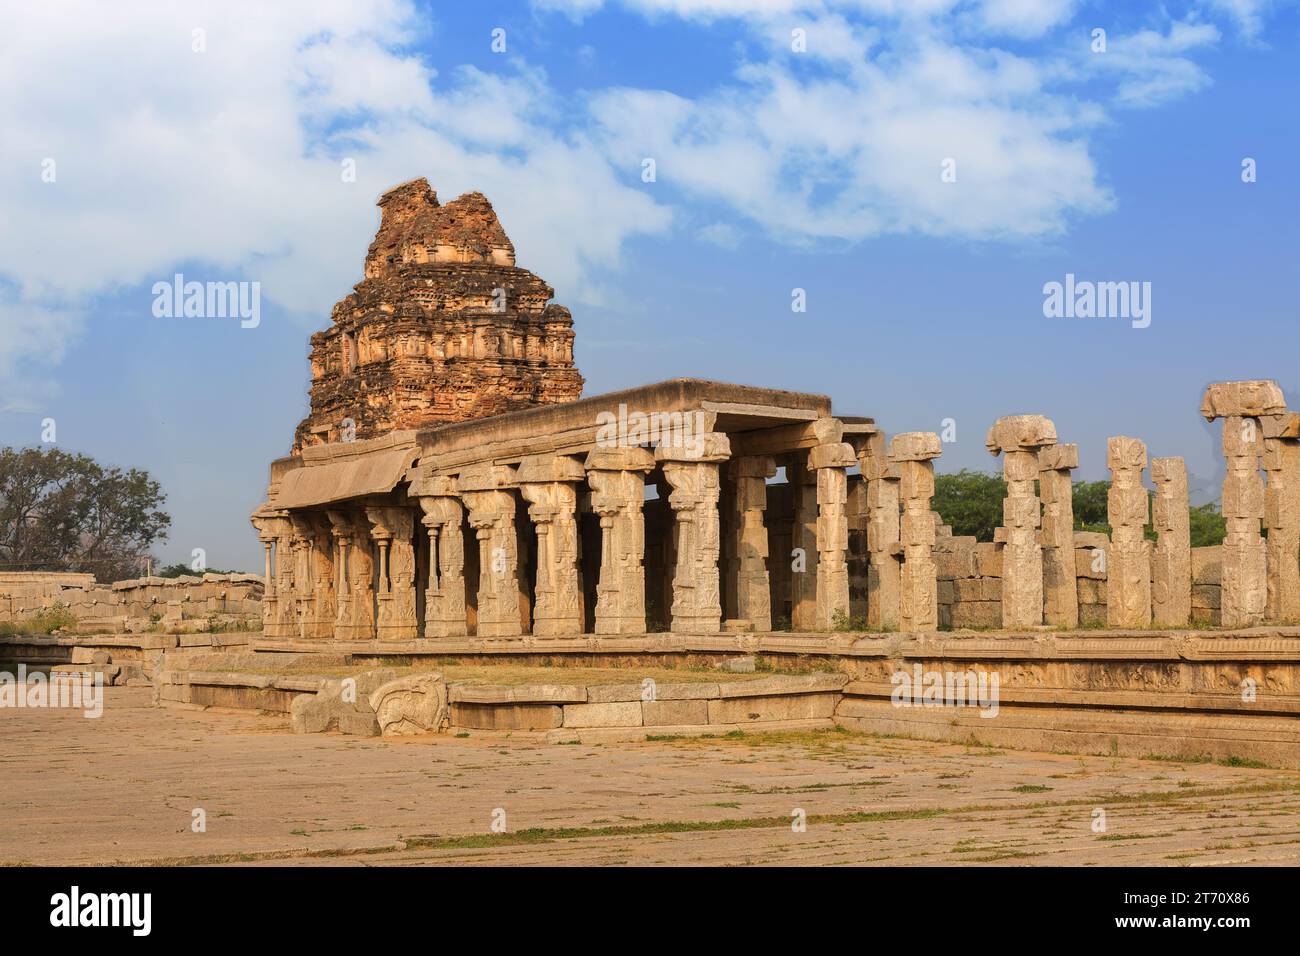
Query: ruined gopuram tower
x=444, y=327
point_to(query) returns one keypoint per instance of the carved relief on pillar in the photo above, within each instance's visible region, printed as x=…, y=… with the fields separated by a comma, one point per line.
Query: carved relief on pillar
x=829, y=463
x=1018, y=438
x=485, y=489
x=914, y=454
x=884, y=549
x=393, y=529
x=444, y=598
x=549, y=483
x=1060, y=588
x=697, y=599
x=361, y=557
x=1244, y=594
x=1128, y=562
x=747, y=569
x=617, y=480
x=1171, y=558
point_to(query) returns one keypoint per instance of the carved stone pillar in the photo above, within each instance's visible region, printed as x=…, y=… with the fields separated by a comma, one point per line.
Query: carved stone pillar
x=1282, y=515
x=362, y=569
x=1018, y=438
x=549, y=483
x=1171, y=558
x=315, y=594
x=748, y=566
x=913, y=453
x=444, y=599
x=829, y=462
x=266, y=533
x=1128, y=561
x=486, y=491
x=1243, y=599
x=617, y=479
x=393, y=530
x=284, y=624
x=884, y=571
x=697, y=599
x=1060, y=589
x=342, y=530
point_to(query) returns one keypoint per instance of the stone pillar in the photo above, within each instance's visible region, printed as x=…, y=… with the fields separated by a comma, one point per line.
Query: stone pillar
x=829, y=462
x=803, y=536
x=361, y=572
x=549, y=483
x=341, y=528
x=1282, y=515
x=1018, y=438
x=393, y=530
x=1171, y=558
x=444, y=599
x=315, y=595
x=884, y=549
x=617, y=479
x=285, y=623
x=1060, y=589
x=266, y=533
x=486, y=491
x=1244, y=596
x=914, y=454
x=1128, y=561
x=697, y=599
x=747, y=572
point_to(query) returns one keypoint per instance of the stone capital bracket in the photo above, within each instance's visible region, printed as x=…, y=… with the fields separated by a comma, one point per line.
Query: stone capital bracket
x=1058, y=457
x=1020, y=433
x=836, y=455
x=620, y=459
x=1252, y=399
x=486, y=477
x=713, y=447
x=537, y=469
x=915, y=446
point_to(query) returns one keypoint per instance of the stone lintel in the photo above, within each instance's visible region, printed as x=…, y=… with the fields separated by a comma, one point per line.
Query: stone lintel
x=1020, y=433
x=1250, y=399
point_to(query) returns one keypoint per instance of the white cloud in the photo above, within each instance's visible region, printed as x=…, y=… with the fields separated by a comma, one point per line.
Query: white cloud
x=231, y=156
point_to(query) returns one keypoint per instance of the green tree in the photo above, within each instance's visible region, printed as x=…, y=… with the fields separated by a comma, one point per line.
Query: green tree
x=970, y=502
x=1207, y=525
x=66, y=512
x=1091, y=511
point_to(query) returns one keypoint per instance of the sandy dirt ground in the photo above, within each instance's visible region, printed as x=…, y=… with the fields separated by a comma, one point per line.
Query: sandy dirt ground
x=124, y=788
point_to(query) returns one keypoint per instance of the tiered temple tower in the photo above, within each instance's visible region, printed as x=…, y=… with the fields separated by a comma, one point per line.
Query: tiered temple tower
x=443, y=328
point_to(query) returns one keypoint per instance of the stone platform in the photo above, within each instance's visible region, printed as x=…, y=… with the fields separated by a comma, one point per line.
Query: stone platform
x=1174, y=693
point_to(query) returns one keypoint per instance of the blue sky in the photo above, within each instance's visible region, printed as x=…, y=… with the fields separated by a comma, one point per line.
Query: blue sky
x=775, y=170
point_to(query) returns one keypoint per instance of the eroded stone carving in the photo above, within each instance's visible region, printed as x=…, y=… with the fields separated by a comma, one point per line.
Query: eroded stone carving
x=410, y=705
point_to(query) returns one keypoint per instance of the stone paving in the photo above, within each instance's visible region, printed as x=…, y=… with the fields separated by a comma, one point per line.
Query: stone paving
x=123, y=788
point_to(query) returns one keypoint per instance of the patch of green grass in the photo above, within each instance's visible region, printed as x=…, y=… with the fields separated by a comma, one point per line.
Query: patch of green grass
x=1031, y=788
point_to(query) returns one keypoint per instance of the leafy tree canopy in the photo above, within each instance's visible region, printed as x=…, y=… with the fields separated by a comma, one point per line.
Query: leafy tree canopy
x=66, y=512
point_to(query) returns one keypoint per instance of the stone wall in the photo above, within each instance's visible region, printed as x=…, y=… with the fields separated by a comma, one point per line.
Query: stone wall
x=135, y=605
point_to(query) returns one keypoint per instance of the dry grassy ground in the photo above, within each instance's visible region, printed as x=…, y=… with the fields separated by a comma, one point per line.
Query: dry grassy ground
x=123, y=788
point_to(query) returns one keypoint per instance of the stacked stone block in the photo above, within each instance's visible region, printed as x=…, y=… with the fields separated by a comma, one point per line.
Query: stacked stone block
x=1128, y=586
x=1018, y=438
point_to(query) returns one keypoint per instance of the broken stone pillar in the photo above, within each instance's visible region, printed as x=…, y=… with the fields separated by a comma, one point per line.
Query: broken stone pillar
x=914, y=454
x=444, y=598
x=884, y=551
x=1128, y=571
x=486, y=492
x=1282, y=515
x=830, y=461
x=694, y=476
x=747, y=571
x=1171, y=558
x=616, y=476
x=1244, y=597
x=1018, y=438
x=393, y=530
x=549, y=483
x=1060, y=591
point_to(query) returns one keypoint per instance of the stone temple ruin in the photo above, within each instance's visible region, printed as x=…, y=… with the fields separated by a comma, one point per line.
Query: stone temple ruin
x=452, y=496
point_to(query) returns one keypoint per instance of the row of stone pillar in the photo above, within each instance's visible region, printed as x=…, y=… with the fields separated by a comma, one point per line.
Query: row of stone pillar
x=351, y=573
